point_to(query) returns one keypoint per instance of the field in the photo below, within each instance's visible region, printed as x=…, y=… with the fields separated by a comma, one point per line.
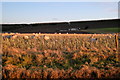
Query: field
x=60, y=56
x=103, y=30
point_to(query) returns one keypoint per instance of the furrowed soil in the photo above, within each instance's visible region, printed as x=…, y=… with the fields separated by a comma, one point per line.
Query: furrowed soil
x=60, y=56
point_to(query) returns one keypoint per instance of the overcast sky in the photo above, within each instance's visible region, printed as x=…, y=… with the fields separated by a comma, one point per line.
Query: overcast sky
x=32, y=12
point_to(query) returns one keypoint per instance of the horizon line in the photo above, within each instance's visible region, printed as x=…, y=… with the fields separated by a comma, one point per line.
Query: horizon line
x=63, y=21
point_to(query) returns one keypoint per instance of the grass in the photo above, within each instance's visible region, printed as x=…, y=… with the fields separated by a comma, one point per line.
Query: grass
x=103, y=30
x=60, y=56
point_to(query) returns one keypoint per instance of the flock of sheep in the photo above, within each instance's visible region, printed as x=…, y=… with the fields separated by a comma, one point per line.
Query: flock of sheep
x=13, y=36
x=43, y=36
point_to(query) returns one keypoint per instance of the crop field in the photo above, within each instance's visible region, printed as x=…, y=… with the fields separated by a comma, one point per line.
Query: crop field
x=60, y=56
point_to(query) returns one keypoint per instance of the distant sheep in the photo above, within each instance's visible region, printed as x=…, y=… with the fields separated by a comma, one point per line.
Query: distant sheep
x=93, y=39
x=14, y=36
x=109, y=37
x=26, y=37
x=39, y=32
x=45, y=37
x=36, y=35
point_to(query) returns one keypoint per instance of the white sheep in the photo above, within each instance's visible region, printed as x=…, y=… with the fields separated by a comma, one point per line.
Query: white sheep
x=14, y=36
x=46, y=37
x=36, y=35
x=26, y=37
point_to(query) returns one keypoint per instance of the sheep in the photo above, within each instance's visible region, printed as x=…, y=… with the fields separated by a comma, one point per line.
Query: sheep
x=36, y=35
x=17, y=33
x=14, y=36
x=93, y=39
x=26, y=37
x=45, y=37
x=109, y=37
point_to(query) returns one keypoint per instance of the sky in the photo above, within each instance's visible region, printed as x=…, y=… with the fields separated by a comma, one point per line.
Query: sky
x=39, y=12
x=60, y=0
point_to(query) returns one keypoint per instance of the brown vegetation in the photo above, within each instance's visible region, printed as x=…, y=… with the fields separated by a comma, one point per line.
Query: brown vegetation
x=61, y=56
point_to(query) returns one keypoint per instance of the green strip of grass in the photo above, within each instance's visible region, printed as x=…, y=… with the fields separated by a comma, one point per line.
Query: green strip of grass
x=104, y=30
